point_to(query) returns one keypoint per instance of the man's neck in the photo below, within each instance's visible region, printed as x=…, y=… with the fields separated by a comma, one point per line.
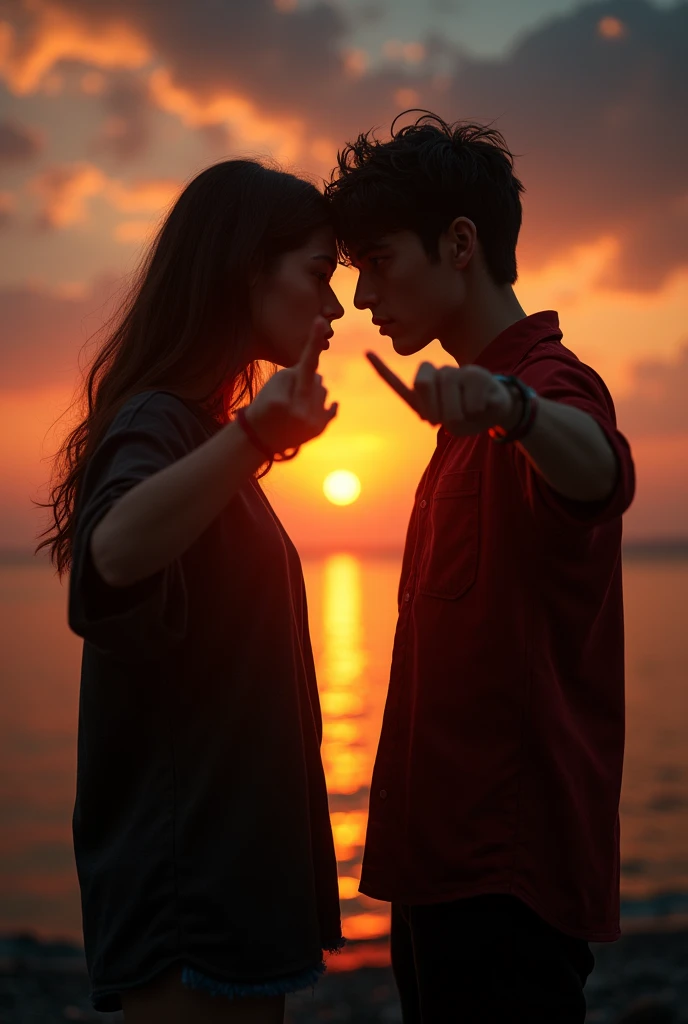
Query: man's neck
x=481, y=318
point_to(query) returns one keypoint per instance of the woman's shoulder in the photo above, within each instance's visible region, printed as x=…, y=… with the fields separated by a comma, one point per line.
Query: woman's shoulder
x=161, y=412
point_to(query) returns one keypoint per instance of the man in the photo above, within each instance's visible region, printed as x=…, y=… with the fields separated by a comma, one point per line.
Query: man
x=493, y=826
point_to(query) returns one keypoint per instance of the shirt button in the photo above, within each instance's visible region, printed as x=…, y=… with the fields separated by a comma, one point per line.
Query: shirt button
x=407, y=596
x=383, y=794
x=423, y=503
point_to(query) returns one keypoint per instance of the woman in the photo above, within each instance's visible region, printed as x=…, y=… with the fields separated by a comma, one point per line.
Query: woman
x=201, y=825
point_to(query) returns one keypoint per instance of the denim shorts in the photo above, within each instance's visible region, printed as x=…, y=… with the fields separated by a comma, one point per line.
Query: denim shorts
x=252, y=990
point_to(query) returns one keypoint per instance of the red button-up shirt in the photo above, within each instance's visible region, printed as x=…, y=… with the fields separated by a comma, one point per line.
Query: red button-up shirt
x=499, y=764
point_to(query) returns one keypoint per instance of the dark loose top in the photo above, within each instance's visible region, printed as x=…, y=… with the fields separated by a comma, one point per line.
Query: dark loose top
x=499, y=765
x=201, y=824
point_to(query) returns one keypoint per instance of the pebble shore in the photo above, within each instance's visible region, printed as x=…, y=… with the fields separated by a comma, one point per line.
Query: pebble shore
x=641, y=979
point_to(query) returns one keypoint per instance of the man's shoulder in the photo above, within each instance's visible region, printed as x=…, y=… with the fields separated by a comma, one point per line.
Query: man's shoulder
x=550, y=363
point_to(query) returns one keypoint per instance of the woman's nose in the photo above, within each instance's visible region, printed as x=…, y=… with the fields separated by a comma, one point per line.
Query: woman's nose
x=333, y=308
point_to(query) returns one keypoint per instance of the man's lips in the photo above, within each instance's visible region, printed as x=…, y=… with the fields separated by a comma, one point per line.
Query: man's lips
x=383, y=325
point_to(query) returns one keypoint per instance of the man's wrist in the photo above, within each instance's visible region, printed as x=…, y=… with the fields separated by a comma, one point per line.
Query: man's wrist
x=524, y=412
x=513, y=416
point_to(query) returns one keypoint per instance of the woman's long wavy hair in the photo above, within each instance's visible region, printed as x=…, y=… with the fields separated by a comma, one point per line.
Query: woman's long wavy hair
x=186, y=318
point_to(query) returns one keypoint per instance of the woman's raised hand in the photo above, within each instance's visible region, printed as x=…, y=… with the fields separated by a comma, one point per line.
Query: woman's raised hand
x=290, y=409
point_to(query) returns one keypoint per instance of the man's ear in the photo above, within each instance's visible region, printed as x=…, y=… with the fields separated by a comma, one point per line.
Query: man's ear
x=463, y=239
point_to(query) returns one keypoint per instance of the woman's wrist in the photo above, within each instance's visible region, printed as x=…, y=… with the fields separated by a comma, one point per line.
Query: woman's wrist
x=253, y=435
x=257, y=440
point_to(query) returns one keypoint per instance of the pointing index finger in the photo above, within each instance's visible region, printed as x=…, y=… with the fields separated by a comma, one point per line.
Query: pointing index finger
x=394, y=382
x=310, y=357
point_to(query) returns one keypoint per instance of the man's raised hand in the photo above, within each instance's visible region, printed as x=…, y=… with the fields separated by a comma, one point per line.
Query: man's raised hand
x=466, y=400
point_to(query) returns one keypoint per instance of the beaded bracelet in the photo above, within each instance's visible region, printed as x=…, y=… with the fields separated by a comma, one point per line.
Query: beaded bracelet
x=254, y=438
x=242, y=420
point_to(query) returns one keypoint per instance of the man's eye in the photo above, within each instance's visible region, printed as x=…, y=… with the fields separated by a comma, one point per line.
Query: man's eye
x=376, y=260
x=323, y=277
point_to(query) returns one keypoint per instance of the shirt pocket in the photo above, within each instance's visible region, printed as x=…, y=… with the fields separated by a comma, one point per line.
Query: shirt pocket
x=450, y=562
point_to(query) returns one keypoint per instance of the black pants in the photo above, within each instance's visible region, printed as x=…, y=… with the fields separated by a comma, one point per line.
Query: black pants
x=486, y=960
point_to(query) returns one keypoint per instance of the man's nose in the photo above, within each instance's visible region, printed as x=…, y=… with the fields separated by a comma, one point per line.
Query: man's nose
x=364, y=296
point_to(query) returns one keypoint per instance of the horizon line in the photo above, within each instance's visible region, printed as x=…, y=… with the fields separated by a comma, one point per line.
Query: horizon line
x=634, y=547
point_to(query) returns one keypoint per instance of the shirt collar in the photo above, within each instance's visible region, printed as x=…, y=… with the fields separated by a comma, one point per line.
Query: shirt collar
x=504, y=353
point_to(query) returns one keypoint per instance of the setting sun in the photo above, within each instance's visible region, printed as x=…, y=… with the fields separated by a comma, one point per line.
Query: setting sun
x=342, y=487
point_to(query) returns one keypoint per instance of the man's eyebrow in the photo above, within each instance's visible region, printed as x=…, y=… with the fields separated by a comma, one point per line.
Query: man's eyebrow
x=328, y=259
x=358, y=252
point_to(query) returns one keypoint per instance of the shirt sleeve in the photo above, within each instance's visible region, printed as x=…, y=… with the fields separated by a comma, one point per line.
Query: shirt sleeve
x=144, y=621
x=576, y=384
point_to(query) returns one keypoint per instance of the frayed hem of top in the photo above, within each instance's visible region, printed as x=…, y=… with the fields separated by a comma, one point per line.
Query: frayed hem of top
x=241, y=990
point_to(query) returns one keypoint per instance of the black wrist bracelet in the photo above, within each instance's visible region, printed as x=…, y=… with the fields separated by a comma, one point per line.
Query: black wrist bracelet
x=528, y=414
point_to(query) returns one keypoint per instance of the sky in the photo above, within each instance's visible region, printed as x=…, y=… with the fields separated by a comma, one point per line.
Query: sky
x=107, y=107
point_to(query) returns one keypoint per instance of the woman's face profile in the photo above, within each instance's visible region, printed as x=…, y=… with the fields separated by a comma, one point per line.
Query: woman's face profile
x=285, y=302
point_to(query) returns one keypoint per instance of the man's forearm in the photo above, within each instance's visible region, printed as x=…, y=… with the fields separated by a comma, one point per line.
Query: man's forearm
x=571, y=452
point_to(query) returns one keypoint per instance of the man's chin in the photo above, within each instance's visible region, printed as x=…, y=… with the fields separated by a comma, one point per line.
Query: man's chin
x=407, y=344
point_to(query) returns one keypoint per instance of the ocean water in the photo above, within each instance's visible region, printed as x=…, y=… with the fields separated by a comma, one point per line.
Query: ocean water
x=353, y=613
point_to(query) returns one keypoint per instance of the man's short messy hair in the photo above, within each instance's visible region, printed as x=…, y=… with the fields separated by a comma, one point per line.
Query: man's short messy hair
x=421, y=179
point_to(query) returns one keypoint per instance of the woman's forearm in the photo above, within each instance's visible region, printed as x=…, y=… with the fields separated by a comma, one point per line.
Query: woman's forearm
x=570, y=450
x=160, y=518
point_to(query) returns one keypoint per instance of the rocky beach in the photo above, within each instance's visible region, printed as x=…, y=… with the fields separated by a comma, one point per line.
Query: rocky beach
x=641, y=979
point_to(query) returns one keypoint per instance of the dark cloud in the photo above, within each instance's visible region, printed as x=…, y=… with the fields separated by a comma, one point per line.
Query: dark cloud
x=7, y=204
x=371, y=13
x=220, y=140
x=655, y=405
x=18, y=142
x=593, y=101
x=251, y=48
x=600, y=122
x=44, y=333
x=126, y=131
x=446, y=6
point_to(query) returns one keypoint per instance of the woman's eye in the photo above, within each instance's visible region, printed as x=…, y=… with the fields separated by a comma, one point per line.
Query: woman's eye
x=322, y=277
x=376, y=260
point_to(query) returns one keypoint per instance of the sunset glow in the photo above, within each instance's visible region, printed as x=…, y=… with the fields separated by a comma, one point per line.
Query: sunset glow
x=342, y=487
x=140, y=116
x=111, y=110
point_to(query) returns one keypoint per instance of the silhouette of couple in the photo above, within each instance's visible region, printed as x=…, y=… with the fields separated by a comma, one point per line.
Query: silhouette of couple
x=201, y=824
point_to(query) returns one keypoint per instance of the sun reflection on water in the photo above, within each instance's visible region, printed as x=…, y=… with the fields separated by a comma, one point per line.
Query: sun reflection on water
x=349, y=735
x=341, y=669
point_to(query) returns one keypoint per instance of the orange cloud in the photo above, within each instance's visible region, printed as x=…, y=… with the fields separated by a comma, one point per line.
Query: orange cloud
x=65, y=189
x=151, y=194
x=283, y=137
x=93, y=83
x=355, y=63
x=59, y=35
x=611, y=28
x=410, y=53
x=131, y=231
x=407, y=97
